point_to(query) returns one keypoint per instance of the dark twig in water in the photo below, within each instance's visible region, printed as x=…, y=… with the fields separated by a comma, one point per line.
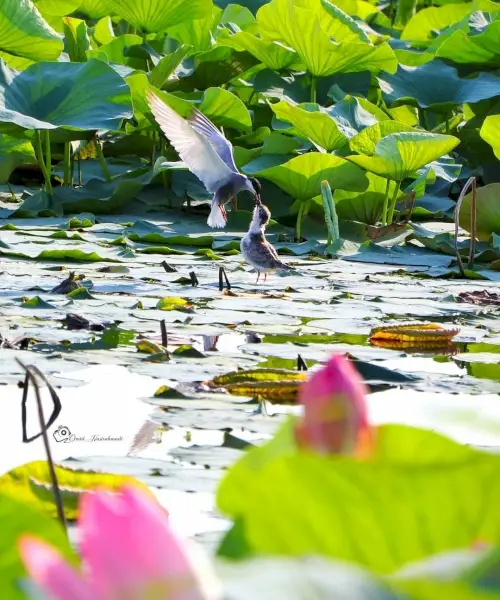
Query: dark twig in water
x=301, y=363
x=223, y=277
x=471, y=181
x=32, y=373
x=194, y=279
x=164, y=334
x=168, y=268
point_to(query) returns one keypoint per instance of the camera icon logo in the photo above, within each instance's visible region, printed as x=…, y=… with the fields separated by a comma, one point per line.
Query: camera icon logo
x=62, y=433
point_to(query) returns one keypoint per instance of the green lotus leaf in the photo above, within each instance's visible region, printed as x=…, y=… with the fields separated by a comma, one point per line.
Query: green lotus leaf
x=157, y=15
x=364, y=207
x=226, y=109
x=13, y=153
x=273, y=54
x=334, y=21
x=24, y=33
x=366, y=141
x=94, y=9
x=437, y=85
x=57, y=8
x=197, y=33
x=160, y=73
x=76, y=96
x=490, y=132
x=404, y=12
x=392, y=498
x=353, y=114
x=301, y=176
x=424, y=24
x=76, y=39
x=300, y=29
x=399, y=155
x=311, y=123
x=487, y=211
x=114, y=52
x=481, y=49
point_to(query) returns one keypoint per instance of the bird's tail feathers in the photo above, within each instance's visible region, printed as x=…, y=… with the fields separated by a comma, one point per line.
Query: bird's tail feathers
x=217, y=218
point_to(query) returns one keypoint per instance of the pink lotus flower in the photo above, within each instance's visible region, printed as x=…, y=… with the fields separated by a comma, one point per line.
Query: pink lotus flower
x=128, y=552
x=335, y=417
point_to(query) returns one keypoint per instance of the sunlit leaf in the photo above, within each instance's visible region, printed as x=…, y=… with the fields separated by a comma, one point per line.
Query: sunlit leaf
x=481, y=49
x=399, y=155
x=312, y=123
x=24, y=33
x=157, y=15
x=273, y=54
x=490, y=132
x=301, y=176
x=487, y=211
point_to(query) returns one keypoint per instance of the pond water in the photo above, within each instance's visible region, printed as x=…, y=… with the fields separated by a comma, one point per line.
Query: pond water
x=181, y=445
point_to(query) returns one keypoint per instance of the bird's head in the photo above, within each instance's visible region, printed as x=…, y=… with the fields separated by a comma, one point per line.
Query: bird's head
x=264, y=214
x=256, y=188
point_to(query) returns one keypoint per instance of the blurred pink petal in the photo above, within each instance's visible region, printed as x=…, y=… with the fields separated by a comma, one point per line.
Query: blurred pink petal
x=335, y=415
x=50, y=571
x=128, y=545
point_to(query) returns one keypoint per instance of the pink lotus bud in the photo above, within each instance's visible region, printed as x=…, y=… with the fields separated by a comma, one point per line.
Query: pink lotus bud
x=128, y=552
x=335, y=415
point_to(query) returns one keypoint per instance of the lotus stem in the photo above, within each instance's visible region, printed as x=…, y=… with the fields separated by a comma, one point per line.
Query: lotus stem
x=79, y=171
x=470, y=182
x=67, y=163
x=332, y=222
x=392, y=206
x=102, y=160
x=72, y=170
x=386, y=203
x=425, y=119
x=298, y=226
x=48, y=155
x=41, y=162
x=473, y=215
x=313, y=88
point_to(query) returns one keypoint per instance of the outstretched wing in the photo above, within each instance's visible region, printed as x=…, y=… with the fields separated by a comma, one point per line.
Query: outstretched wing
x=192, y=146
x=223, y=147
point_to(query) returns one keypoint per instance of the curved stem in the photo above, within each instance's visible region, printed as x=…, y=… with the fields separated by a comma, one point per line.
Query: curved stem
x=393, y=203
x=41, y=162
x=386, y=203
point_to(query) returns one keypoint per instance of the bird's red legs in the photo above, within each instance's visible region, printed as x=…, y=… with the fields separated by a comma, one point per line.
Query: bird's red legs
x=233, y=204
x=223, y=211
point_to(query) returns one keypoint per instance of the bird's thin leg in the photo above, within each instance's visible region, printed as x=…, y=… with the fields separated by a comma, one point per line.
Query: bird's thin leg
x=265, y=277
x=258, y=275
x=234, y=206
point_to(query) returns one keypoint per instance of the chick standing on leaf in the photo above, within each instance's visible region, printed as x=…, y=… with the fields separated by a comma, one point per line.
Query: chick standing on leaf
x=256, y=250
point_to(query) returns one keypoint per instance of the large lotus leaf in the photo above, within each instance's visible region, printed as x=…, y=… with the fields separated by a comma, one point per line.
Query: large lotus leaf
x=424, y=25
x=367, y=206
x=396, y=499
x=13, y=153
x=158, y=15
x=57, y=8
x=311, y=123
x=197, y=33
x=481, y=49
x=24, y=33
x=94, y=9
x=226, y=109
x=301, y=176
x=334, y=21
x=300, y=29
x=82, y=96
x=273, y=54
x=490, y=132
x=353, y=114
x=366, y=141
x=399, y=155
x=437, y=85
x=404, y=12
x=487, y=211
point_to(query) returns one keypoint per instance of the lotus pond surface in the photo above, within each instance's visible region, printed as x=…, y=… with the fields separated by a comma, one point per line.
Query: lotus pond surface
x=130, y=410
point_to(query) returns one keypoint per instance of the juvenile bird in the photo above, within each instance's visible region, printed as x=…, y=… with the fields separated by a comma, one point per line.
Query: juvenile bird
x=207, y=154
x=256, y=250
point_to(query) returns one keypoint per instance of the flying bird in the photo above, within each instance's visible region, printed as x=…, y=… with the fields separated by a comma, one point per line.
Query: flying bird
x=207, y=154
x=256, y=250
